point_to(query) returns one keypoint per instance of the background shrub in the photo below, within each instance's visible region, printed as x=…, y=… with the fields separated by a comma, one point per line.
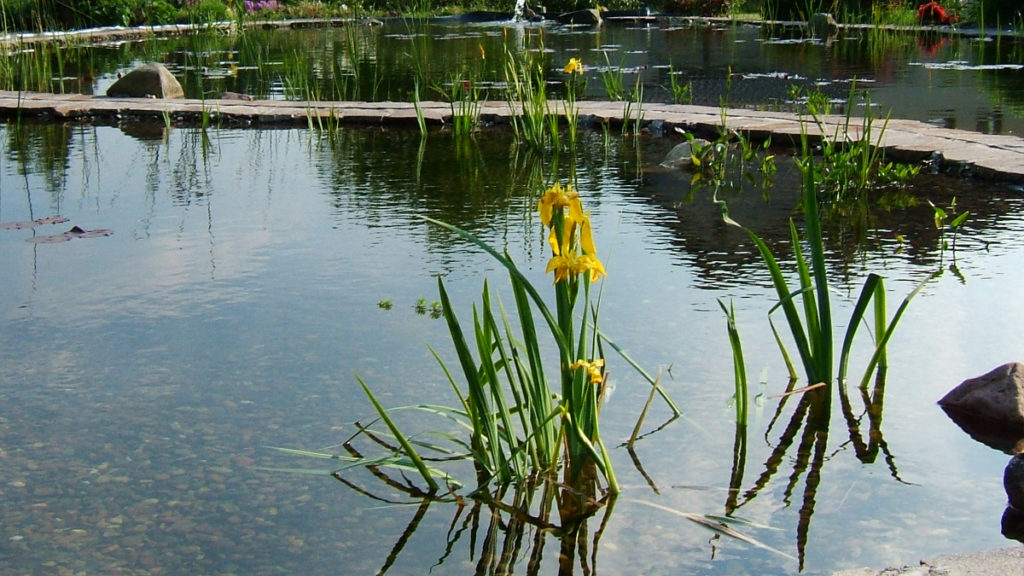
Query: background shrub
x=697, y=7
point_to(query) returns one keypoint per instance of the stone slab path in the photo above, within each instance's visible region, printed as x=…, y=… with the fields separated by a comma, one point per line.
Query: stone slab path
x=997, y=157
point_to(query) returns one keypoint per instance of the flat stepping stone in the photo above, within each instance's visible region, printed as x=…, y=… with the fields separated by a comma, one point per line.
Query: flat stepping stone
x=990, y=156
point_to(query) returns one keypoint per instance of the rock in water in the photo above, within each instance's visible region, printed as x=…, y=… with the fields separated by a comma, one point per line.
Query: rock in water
x=681, y=155
x=996, y=397
x=588, y=17
x=1013, y=482
x=823, y=25
x=147, y=81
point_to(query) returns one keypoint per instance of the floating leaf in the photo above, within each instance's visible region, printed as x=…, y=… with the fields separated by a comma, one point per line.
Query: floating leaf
x=32, y=223
x=74, y=232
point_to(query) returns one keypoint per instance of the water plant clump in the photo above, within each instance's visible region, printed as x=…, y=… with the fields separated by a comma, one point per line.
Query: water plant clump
x=524, y=423
x=850, y=168
x=813, y=331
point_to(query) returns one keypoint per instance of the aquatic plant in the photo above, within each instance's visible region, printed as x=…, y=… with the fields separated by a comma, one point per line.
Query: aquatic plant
x=526, y=94
x=681, y=93
x=522, y=422
x=739, y=367
x=612, y=79
x=574, y=85
x=463, y=96
x=731, y=153
x=851, y=166
x=633, y=110
x=812, y=332
x=954, y=227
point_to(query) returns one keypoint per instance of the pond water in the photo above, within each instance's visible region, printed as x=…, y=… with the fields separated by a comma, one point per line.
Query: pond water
x=965, y=82
x=146, y=375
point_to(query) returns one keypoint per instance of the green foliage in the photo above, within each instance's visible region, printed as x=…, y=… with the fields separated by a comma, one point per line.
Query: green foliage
x=851, y=168
x=697, y=7
x=522, y=421
x=207, y=11
x=953, y=226
x=24, y=15
x=152, y=12
x=740, y=395
x=681, y=93
x=526, y=93
x=812, y=332
x=994, y=12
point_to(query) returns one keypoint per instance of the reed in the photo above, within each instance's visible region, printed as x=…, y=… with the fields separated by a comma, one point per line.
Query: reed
x=740, y=397
x=526, y=95
x=681, y=93
x=810, y=325
x=463, y=95
x=420, y=120
x=612, y=79
x=952, y=227
x=633, y=110
x=852, y=167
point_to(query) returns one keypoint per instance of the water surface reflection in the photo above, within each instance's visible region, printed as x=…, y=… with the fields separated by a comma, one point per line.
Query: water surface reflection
x=146, y=374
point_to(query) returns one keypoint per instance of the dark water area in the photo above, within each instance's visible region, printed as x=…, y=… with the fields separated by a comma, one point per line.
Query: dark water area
x=964, y=82
x=148, y=375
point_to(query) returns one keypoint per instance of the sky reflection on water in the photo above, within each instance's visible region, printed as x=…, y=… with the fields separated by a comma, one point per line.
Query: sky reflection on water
x=146, y=374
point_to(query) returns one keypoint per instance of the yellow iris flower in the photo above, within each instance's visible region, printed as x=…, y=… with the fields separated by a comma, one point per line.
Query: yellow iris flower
x=567, y=260
x=593, y=369
x=574, y=66
x=558, y=197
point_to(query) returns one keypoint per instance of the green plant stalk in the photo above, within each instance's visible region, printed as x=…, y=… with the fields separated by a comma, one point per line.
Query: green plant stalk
x=408, y=448
x=739, y=366
x=485, y=438
x=537, y=390
x=420, y=120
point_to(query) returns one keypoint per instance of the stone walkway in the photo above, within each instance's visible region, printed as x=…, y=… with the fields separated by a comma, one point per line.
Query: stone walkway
x=997, y=157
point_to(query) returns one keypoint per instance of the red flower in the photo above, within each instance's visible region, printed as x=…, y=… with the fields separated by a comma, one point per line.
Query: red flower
x=933, y=13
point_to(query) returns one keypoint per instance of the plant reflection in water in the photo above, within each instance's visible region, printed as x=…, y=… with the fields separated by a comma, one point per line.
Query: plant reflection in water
x=499, y=520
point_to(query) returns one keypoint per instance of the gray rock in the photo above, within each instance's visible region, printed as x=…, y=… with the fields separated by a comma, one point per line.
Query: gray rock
x=823, y=25
x=996, y=397
x=681, y=155
x=590, y=17
x=147, y=81
x=236, y=96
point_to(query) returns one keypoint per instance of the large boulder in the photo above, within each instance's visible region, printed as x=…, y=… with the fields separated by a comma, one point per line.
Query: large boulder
x=147, y=81
x=823, y=25
x=588, y=17
x=991, y=407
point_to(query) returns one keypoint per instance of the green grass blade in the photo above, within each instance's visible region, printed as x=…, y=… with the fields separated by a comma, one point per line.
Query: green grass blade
x=883, y=339
x=654, y=382
x=814, y=238
x=871, y=285
x=564, y=347
x=739, y=366
x=402, y=440
x=796, y=326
